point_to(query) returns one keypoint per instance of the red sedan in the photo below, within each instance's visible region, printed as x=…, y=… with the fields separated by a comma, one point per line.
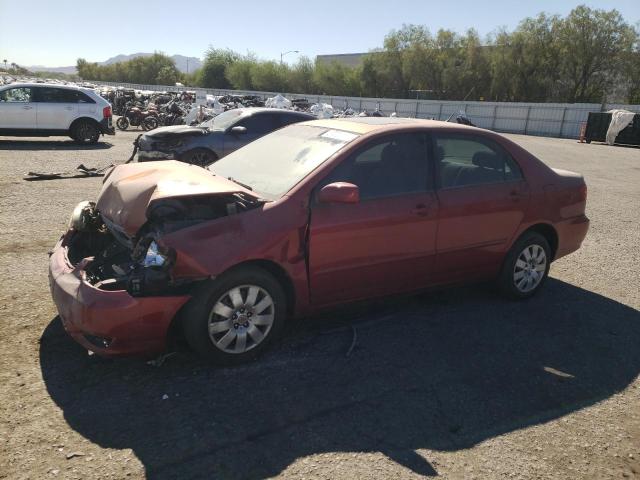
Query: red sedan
x=313, y=215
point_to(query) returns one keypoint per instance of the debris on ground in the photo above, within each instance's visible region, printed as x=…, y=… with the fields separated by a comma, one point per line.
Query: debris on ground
x=81, y=171
x=74, y=454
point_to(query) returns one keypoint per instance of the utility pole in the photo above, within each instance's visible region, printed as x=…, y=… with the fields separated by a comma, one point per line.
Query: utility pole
x=284, y=53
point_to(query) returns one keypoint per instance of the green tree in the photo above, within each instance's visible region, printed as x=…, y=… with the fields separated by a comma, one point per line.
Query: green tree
x=301, y=79
x=213, y=71
x=239, y=73
x=592, y=44
x=270, y=76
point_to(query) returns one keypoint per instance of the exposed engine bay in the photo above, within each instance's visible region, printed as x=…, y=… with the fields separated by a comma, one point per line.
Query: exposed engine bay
x=139, y=264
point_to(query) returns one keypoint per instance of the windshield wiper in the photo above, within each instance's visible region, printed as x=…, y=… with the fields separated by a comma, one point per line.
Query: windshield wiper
x=240, y=183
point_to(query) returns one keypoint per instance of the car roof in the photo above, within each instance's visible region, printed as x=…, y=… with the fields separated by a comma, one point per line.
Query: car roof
x=363, y=125
x=254, y=110
x=56, y=85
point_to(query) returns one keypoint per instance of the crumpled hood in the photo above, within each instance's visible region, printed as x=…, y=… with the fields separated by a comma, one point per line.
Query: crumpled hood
x=129, y=189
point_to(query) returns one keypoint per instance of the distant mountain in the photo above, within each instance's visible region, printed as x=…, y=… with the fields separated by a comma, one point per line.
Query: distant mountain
x=41, y=68
x=184, y=64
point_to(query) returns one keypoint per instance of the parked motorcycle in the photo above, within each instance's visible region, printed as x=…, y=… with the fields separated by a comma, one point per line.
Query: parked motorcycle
x=136, y=117
x=171, y=114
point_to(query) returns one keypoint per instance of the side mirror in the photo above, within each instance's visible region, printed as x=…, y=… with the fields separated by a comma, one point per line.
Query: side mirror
x=339, y=192
x=238, y=130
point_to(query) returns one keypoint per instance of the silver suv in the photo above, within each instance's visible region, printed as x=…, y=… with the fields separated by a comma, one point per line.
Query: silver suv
x=43, y=110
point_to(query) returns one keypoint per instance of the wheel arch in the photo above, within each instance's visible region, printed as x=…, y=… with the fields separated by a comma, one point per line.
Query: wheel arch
x=200, y=147
x=174, y=332
x=279, y=273
x=548, y=232
x=80, y=119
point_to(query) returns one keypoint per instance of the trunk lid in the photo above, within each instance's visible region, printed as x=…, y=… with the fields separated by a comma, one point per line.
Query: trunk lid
x=130, y=189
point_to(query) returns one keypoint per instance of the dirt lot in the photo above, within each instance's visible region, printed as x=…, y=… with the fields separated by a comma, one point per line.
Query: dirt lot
x=461, y=383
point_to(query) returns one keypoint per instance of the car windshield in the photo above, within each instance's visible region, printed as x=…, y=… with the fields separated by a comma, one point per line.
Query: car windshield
x=224, y=120
x=275, y=163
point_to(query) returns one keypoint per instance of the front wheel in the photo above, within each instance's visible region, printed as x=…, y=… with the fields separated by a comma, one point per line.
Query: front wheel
x=526, y=266
x=234, y=318
x=199, y=156
x=122, y=123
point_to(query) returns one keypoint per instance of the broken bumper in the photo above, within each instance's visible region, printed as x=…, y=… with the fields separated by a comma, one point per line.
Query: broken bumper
x=154, y=155
x=109, y=323
x=106, y=127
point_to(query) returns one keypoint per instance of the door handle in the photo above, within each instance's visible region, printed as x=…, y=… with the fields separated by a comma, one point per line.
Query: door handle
x=68, y=108
x=27, y=107
x=421, y=210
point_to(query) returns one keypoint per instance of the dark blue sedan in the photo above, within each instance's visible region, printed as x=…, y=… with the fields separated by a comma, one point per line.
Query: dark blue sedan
x=205, y=143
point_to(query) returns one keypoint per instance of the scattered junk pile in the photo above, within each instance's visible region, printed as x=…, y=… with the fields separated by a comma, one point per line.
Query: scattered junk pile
x=613, y=127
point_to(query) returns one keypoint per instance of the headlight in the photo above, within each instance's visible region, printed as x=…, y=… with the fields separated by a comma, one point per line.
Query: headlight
x=84, y=217
x=153, y=257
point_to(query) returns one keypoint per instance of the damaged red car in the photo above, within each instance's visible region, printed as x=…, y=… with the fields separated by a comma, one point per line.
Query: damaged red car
x=313, y=215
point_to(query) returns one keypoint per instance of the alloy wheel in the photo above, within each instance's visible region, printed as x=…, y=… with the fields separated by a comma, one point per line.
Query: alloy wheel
x=530, y=268
x=241, y=319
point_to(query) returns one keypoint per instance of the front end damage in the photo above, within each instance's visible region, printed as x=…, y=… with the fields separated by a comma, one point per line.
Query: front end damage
x=116, y=292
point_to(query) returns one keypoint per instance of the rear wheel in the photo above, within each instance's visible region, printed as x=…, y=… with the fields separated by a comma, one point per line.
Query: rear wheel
x=234, y=318
x=122, y=123
x=526, y=266
x=199, y=156
x=149, y=123
x=85, y=132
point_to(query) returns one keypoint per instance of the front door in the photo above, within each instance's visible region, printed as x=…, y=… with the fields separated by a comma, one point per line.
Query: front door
x=17, y=109
x=385, y=243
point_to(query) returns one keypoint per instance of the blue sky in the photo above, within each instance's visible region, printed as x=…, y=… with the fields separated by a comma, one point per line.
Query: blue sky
x=56, y=33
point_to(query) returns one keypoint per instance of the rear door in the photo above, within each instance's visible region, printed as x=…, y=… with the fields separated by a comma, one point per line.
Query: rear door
x=483, y=199
x=17, y=109
x=257, y=125
x=57, y=107
x=386, y=242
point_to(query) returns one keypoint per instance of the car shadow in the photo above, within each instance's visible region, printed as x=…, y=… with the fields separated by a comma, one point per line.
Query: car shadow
x=441, y=370
x=33, y=145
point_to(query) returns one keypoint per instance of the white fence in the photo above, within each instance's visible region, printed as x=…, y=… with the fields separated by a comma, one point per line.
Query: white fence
x=543, y=119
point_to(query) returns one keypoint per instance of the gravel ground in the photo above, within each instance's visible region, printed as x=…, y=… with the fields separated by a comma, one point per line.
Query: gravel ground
x=459, y=383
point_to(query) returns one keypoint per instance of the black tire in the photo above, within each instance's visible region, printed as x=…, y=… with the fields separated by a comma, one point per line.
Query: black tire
x=122, y=123
x=195, y=317
x=507, y=280
x=149, y=123
x=85, y=132
x=199, y=156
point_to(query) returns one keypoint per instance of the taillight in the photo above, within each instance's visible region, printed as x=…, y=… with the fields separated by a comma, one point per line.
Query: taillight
x=582, y=193
x=106, y=112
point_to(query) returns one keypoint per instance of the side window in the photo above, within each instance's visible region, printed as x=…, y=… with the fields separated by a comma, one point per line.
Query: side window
x=21, y=95
x=50, y=95
x=60, y=95
x=394, y=165
x=260, y=124
x=288, y=119
x=465, y=160
x=82, y=97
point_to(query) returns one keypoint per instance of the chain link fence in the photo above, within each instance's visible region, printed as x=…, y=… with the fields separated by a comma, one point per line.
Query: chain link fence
x=562, y=120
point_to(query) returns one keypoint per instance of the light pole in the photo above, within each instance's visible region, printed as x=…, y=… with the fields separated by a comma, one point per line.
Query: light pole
x=284, y=53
